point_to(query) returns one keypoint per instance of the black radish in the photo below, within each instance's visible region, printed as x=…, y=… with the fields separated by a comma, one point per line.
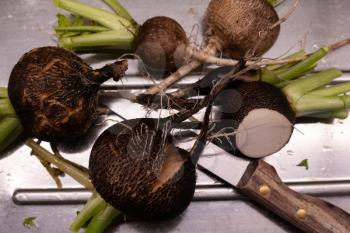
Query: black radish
x=135, y=167
x=263, y=121
x=262, y=115
x=239, y=28
x=160, y=41
x=242, y=28
x=54, y=93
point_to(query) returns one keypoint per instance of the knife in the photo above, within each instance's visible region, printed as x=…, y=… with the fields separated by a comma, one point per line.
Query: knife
x=259, y=181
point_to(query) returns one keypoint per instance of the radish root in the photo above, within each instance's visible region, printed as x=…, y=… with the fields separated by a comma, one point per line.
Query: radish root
x=287, y=15
x=180, y=73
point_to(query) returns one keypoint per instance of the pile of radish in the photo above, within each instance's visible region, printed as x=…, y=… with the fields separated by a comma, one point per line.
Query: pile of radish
x=135, y=165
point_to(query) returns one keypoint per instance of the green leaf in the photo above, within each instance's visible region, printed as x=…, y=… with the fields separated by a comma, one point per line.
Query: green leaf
x=29, y=222
x=77, y=20
x=3, y=92
x=304, y=163
x=62, y=20
x=275, y=2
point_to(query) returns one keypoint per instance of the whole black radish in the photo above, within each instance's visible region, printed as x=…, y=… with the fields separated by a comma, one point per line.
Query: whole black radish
x=135, y=167
x=242, y=28
x=54, y=93
x=161, y=43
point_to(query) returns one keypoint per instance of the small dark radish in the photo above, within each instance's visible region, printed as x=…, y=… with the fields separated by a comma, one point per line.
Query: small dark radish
x=242, y=28
x=161, y=43
x=54, y=93
x=136, y=168
x=263, y=123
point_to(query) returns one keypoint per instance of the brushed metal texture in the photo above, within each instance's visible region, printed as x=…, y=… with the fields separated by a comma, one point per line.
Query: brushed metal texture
x=25, y=24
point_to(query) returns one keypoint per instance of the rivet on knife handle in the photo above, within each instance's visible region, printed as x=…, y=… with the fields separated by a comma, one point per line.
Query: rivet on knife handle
x=312, y=215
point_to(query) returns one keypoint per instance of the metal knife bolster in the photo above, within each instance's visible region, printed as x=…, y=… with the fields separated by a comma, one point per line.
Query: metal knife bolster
x=222, y=164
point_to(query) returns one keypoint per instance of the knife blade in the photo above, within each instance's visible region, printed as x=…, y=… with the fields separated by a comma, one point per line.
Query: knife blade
x=260, y=182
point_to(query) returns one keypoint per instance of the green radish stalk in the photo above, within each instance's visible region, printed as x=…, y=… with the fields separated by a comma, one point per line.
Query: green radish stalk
x=102, y=220
x=71, y=170
x=94, y=205
x=3, y=93
x=10, y=126
x=304, y=66
x=96, y=209
x=96, y=215
x=275, y=2
x=6, y=108
x=10, y=129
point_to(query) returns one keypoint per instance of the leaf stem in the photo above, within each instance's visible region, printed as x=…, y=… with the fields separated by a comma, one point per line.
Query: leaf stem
x=309, y=104
x=297, y=69
x=8, y=126
x=297, y=54
x=94, y=205
x=303, y=86
x=275, y=3
x=333, y=90
x=11, y=138
x=103, y=17
x=304, y=65
x=121, y=39
x=43, y=154
x=340, y=114
x=120, y=10
x=83, y=28
x=274, y=77
x=6, y=108
x=102, y=220
x=3, y=92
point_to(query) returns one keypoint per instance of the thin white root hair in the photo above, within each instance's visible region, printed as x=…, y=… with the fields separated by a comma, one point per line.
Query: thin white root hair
x=287, y=15
x=222, y=135
x=193, y=38
x=339, y=44
x=218, y=135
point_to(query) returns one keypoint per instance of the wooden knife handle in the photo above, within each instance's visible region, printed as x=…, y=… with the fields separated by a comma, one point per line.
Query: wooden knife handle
x=312, y=215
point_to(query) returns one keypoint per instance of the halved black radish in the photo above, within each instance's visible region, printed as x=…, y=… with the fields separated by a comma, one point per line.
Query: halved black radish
x=262, y=122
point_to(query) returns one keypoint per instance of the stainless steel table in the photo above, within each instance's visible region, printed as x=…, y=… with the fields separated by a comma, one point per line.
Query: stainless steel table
x=26, y=190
